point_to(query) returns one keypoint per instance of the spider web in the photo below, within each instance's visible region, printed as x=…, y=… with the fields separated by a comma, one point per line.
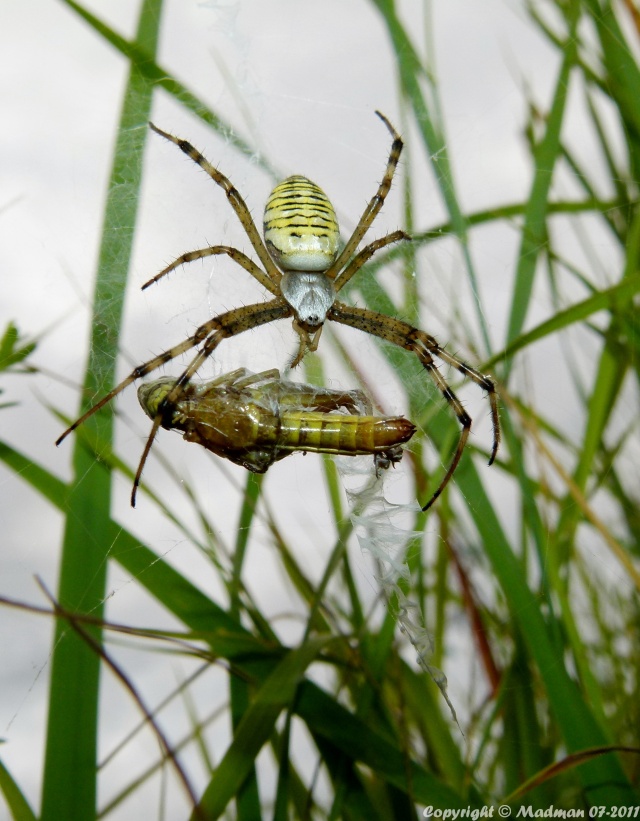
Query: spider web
x=382, y=530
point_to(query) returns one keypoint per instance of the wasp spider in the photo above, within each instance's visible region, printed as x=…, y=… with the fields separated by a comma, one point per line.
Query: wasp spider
x=304, y=267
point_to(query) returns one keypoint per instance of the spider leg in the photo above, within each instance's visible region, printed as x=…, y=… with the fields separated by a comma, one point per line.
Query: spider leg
x=376, y=202
x=365, y=255
x=485, y=382
x=426, y=348
x=228, y=324
x=216, y=250
x=234, y=197
x=213, y=332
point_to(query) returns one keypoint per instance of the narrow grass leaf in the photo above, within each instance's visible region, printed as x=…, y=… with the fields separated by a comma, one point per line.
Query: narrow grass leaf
x=605, y=780
x=159, y=76
x=616, y=298
x=607, y=384
x=246, y=794
x=429, y=121
x=546, y=152
x=13, y=795
x=69, y=788
x=327, y=718
x=255, y=728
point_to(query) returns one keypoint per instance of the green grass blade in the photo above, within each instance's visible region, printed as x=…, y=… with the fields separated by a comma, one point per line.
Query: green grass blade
x=245, y=788
x=144, y=60
x=615, y=298
x=623, y=85
x=16, y=802
x=604, y=779
x=38, y=477
x=255, y=728
x=607, y=384
x=623, y=73
x=413, y=77
x=327, y=718
x=69, y=788
x=534, y=231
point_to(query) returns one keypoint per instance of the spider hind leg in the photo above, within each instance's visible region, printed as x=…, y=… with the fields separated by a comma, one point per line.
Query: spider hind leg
x=427, y=350
x=463, y=417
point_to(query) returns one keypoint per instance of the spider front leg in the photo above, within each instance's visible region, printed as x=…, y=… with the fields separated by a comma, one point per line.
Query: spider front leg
x=234, y=197
x=214, y=331
x=211, y=333
x=137, y=373
x=376, y=202
x=426, y=348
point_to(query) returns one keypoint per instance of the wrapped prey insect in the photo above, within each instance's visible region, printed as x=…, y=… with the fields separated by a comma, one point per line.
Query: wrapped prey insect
x=256, y=419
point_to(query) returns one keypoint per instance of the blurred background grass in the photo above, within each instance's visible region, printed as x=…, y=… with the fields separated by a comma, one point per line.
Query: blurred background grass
x=534, y=561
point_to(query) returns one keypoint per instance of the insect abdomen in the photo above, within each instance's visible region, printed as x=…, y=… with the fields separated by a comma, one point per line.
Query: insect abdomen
x=256, y=419
x=300, y=226
x=341, y=434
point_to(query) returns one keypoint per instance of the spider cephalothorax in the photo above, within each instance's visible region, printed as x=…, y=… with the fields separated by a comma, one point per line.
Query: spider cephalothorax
x=304, y=268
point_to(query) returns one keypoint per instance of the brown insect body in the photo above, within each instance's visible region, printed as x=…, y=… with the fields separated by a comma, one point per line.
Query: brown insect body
x=255, y=420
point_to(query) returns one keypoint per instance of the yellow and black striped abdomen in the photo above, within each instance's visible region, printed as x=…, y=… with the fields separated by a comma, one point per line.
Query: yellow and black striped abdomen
x=300, y=226
x=341, y=434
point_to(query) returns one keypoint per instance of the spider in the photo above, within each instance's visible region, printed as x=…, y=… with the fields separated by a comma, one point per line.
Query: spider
x=303, y=268
x=256, y=419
